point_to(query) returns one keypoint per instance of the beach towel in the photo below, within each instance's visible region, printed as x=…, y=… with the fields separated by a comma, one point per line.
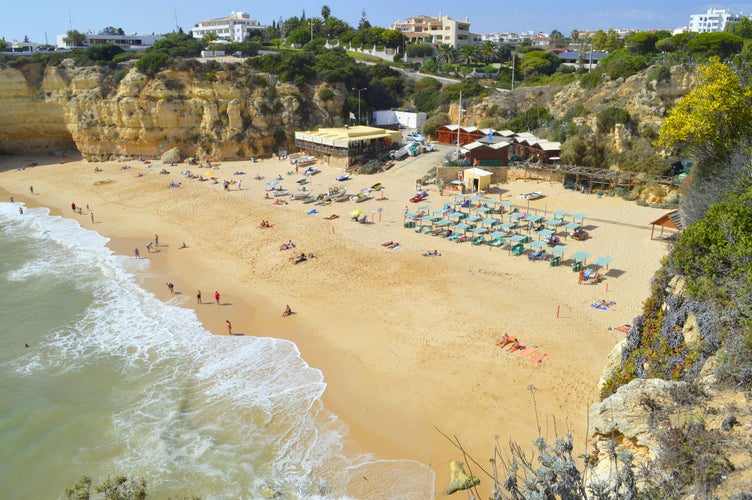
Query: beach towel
x=527, y=351
x=393, y=246
x=312, y=211
x=623, y=328
x=332, y=217
x=538, y=357
x=602, y=305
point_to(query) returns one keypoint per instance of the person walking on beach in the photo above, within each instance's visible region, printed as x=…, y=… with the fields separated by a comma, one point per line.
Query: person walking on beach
x=229, y=327
x=31, y=189
x=171, y=287
x=581, y=277
x=92, y=216
x=148, y=247
x=216, y=297
x=156, y=240
x=136, y=253
x=73, y=206
x=198, y=297
x=239, y=185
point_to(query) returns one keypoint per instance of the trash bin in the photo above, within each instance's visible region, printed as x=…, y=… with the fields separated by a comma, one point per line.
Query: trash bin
x=577, y=266
x=555, y=261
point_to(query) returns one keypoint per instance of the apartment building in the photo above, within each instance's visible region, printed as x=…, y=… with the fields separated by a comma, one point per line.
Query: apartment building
x=235, y=28
x=437, y=30
x=713, y=21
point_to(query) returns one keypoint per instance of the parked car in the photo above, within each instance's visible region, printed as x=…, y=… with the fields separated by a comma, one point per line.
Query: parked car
x=415, y=136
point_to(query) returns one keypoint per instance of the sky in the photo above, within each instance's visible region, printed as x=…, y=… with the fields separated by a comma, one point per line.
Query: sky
x=43, y=20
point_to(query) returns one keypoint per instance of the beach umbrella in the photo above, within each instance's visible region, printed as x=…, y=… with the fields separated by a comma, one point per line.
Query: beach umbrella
x=356, y=213
x=545, y=233
x=490, y=222
x=461, y=227
x=602, y=261
x=473, y=218
x=559, y=214
x=478, y=230
x=538, y=244
x=443, y=222
x=506, y=226
x=497, y=234
x=580, y=256
x=456, y=215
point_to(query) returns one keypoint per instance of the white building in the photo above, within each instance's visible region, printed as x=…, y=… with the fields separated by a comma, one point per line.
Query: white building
x=235, y=28
x=132, y=42
x=713, y=21
x=437, y=30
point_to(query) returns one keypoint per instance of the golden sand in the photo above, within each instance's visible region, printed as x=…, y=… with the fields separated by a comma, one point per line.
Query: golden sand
x=407, y=343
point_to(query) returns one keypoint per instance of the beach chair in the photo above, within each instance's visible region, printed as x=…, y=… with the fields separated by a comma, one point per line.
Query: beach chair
x=478, y=240
x=555, y=261
x=518, y=249
x=497, y=242
x=454, y=237
x=462, y=238
x=576, y=267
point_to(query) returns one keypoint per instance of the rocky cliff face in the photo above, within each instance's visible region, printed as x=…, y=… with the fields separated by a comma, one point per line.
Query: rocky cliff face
x=691, y=435
x=226, y=113
x=646, y=99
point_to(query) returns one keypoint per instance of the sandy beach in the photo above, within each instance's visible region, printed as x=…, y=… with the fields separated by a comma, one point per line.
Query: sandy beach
x=407, y=343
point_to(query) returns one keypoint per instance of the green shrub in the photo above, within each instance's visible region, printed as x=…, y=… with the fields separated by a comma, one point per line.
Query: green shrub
x=591, y=80
x=325, y=94
x=607, y=119
x=151, y=63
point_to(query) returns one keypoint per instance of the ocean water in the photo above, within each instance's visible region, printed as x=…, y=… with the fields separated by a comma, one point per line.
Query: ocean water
x=115, y=381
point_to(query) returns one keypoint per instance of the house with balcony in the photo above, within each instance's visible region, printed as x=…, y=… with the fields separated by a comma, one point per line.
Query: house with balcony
x=713, y=21
x=437, y=30
x=237, y=27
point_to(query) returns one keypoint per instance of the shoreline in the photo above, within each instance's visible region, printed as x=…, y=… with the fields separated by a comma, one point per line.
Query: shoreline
x=425, y=356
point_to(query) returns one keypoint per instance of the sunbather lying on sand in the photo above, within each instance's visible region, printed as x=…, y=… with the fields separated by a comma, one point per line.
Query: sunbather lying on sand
x=286, y=246
x=387, y=243
x=506, y=339
x=431, y=253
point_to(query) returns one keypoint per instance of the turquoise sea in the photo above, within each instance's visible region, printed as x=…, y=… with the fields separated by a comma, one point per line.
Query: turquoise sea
x=115, y=381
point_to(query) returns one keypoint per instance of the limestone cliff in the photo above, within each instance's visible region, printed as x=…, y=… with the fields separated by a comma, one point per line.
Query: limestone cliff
x=231, y=112
x=645, y=98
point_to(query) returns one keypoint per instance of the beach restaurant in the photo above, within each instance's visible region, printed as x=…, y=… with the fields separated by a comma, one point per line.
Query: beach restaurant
x=346, y=146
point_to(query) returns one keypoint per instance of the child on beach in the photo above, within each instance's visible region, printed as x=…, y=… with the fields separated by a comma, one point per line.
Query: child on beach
x=229, y=327
x=198, y=297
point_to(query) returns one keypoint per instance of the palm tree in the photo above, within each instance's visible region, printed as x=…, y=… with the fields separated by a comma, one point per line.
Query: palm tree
x=468, y=53
x=488, y=51
x=326, y=12
x=446, y=54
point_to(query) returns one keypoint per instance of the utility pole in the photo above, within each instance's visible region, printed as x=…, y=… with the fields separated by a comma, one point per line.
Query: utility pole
x=311, y=23
x=359, y=91
x=459, y=126
x=513, y=54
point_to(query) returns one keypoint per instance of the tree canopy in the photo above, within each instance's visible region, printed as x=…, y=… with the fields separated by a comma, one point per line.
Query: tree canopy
x=715, y=115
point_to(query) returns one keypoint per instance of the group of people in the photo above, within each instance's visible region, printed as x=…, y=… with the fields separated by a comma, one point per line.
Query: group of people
x=264, y=224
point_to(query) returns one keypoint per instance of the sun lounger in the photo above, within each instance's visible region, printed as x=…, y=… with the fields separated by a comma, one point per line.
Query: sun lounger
x=518, y=249
x=478, y=240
